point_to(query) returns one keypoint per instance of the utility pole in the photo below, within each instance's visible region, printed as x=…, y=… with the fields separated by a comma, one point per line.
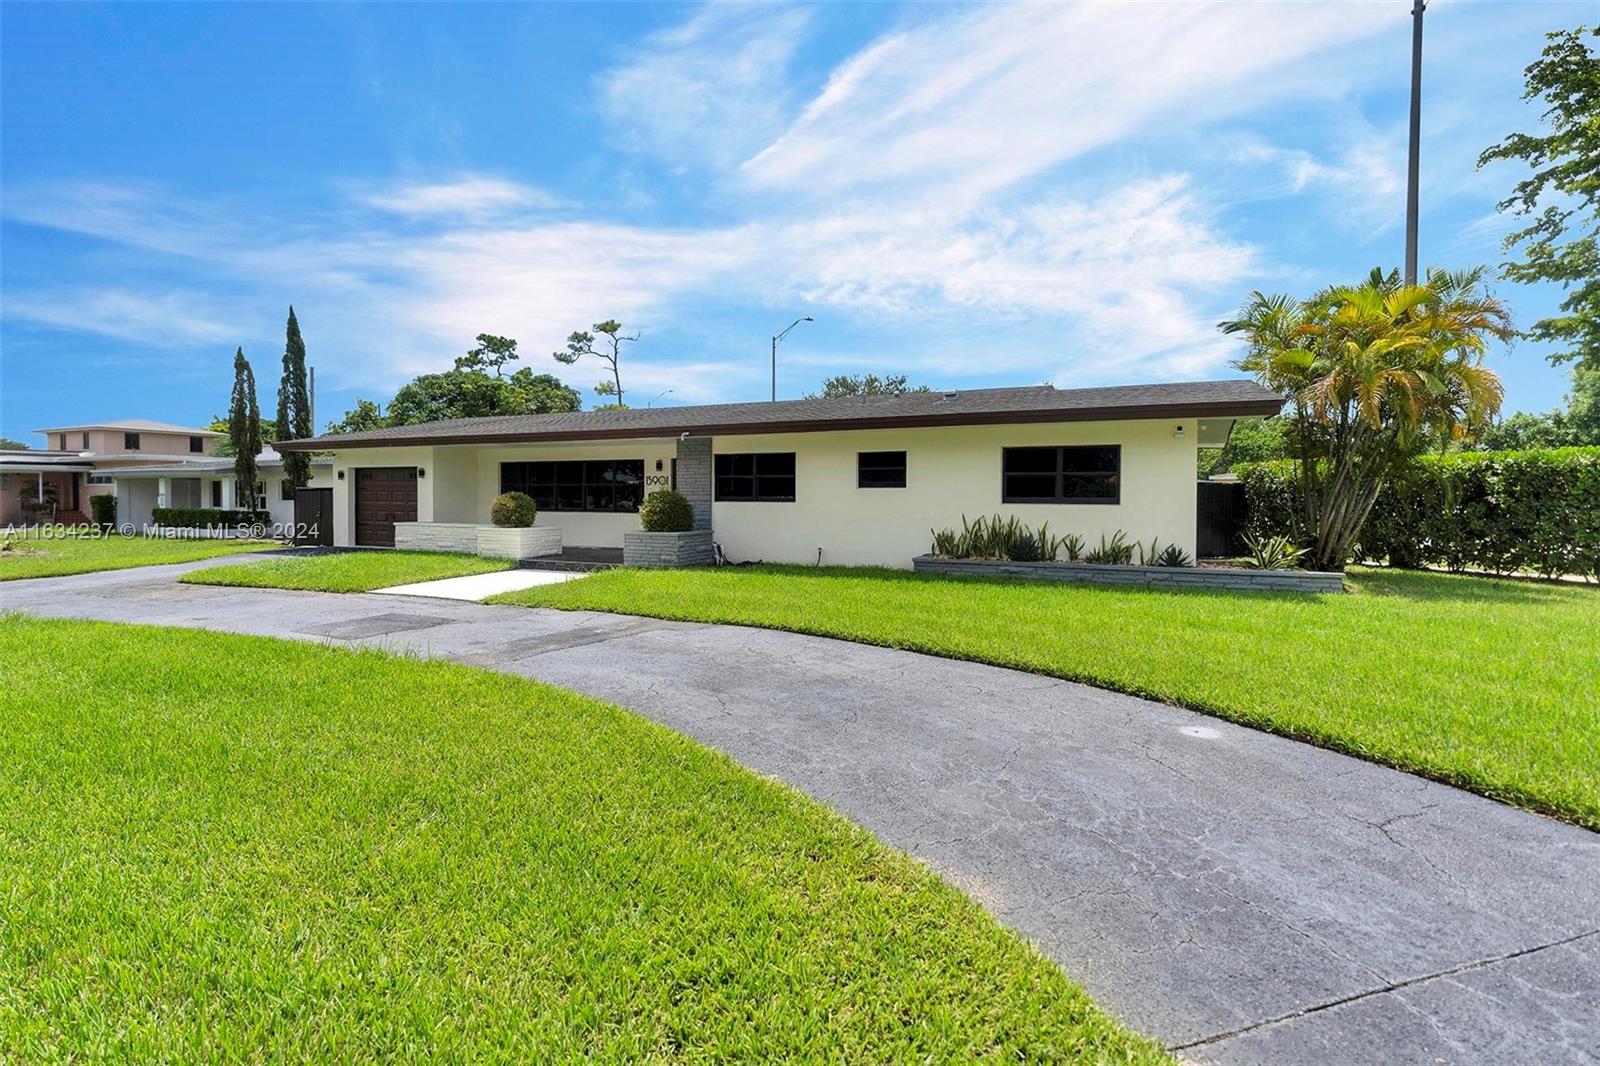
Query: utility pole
x=1417, y=8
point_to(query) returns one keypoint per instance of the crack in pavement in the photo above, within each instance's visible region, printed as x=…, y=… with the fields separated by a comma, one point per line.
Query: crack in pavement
x=1476, y=964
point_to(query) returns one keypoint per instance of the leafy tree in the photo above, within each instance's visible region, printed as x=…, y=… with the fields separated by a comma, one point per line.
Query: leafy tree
x=492, y=353
x=867, y=385
x=244, y=429
x=609, y=351
x=12, y=445
x=1373, y=373
x=363, y=416
x=219, y=424
x=1578, y=425
x=1565, y=162
x=294, y=405
x=1253, y=440
x=474, y=394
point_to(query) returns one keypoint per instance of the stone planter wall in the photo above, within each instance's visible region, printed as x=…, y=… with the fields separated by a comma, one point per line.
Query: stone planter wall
x=692, y=548
x=436, y=537
x=1214, y=577
x=498, y=542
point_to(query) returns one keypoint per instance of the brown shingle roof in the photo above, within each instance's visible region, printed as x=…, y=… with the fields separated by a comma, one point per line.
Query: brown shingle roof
x=1034, y=403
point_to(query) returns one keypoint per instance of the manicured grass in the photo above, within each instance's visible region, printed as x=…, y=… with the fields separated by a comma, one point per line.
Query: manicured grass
x=347, y=571
x=1491, y=685
x=216, y=847
x=37, y=556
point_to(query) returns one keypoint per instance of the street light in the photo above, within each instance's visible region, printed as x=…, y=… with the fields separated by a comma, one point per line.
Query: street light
x=660, y=394
x=775, y=341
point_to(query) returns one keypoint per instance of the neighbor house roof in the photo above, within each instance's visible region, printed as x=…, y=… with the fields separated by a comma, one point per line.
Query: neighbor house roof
x=268, y=459
x=136, y=425
x=967, y=407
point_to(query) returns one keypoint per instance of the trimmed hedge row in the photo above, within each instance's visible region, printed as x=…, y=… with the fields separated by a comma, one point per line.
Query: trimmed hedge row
x=207, y=516
x=1497, y=511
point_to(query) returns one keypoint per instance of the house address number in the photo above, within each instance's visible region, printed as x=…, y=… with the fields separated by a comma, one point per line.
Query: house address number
x=657, y=479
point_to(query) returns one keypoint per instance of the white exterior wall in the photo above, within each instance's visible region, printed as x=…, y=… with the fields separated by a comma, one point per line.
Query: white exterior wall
x=344, y=492
x=951, y=471
x=584, y=529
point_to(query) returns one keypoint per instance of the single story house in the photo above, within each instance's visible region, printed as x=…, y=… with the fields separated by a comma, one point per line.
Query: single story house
x=209, y=483
x=850, y=481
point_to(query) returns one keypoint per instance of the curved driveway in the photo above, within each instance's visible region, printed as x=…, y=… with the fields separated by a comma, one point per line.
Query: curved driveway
x=1243, y=897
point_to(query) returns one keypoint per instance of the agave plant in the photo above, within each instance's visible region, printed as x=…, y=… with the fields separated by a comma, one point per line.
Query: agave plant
x=1173, y=555
x=1026, y=548
x=1272, y=553
x=1115, y=552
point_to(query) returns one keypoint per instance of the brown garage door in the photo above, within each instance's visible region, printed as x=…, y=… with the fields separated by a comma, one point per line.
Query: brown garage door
x=384, y=495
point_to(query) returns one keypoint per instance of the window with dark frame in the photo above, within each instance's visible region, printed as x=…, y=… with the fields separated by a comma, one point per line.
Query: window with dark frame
x=86, y=442
x=63, y=442
x=130, y=441
x=615, y=485
x=286, y=490
x=1069, y=474
x=761, y=477
x=880, y=470
x=197, y=444
x=216, y=494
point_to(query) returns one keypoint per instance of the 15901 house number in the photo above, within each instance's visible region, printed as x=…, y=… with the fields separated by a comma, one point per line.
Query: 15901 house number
x=657, y=479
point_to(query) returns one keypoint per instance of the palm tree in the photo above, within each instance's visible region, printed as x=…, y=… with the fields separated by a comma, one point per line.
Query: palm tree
x=1375, y=373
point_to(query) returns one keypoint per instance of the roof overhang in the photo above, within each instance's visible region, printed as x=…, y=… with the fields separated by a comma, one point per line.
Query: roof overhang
x=1209, y=409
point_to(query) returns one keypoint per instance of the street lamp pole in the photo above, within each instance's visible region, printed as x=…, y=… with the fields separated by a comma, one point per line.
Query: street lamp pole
x=775, y=341
x=1417, y=8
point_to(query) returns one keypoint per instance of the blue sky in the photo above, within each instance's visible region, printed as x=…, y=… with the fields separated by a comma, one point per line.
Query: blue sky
x=1003, y=194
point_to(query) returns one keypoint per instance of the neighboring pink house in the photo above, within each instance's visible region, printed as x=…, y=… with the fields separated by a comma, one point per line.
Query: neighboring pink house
x=54, y=485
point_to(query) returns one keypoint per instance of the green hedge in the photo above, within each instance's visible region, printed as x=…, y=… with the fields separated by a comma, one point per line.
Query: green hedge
x=1497, y=511
x=207, y=516
x=103, y=509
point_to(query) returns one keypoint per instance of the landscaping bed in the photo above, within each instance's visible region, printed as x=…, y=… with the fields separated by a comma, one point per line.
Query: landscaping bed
x=227, y=848
x=1490, y=685
x=56, y=556
x=349, y=571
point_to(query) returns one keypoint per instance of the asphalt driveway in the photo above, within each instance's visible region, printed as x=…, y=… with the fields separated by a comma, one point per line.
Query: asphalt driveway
x=1243, y=897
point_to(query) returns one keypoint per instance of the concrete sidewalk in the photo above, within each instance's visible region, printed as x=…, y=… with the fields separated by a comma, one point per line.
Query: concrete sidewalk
x=1243, y=897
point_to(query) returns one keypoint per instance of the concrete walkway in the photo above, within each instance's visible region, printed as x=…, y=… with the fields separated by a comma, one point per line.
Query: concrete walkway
x=475, y=587
x=1242, y=897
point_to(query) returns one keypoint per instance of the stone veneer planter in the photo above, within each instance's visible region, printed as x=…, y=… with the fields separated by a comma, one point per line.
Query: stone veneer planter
x=1212, y=577
x=691, y=548
x=496, y=542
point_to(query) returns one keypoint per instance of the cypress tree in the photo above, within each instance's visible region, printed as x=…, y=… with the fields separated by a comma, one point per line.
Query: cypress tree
x=244, y=430
x=294, y=405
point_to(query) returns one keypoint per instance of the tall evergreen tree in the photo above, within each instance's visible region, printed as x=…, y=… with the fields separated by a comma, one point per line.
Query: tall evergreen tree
x=244, y=430
x=294, y=405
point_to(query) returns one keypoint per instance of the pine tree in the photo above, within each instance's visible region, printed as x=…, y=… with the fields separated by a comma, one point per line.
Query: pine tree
x=244, y=430
x=294, y=405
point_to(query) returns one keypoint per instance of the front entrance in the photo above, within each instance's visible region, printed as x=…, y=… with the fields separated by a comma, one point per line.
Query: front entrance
x=313, y=516
x=384, y=495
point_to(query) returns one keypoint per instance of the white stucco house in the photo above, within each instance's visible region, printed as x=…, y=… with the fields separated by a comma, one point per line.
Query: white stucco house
x=209, y=483
x=853, y=481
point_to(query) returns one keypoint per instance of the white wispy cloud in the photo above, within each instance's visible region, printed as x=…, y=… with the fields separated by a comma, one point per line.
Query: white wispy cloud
x=709, y=91
x=155, y=318
x=466, y=195
x=978, y=100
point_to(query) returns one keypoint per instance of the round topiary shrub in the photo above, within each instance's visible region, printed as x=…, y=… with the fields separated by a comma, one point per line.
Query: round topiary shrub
x=666, y=511
x=513, y=509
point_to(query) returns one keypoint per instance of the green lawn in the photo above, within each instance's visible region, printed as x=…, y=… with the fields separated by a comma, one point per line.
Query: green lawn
x=35, y=556
x=1491, y=685
x=348, y=571
x=217, y=847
